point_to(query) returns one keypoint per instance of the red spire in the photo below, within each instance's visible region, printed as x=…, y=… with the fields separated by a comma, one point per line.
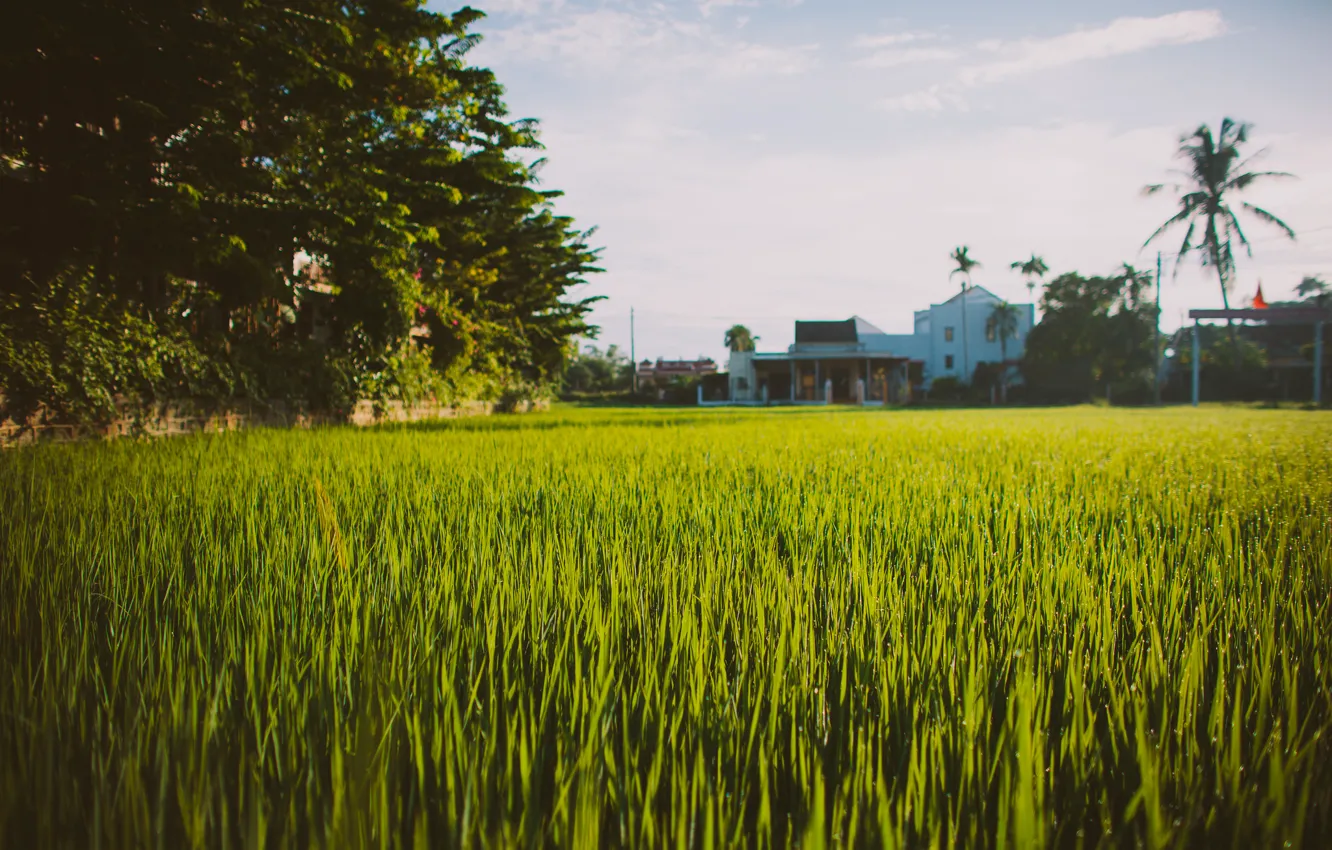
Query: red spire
x=1259, y=303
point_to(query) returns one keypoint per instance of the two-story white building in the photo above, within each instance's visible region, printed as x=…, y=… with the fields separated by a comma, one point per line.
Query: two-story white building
x=854, y=361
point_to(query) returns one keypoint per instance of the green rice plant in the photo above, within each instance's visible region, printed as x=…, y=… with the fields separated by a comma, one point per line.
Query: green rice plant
x=642, y=628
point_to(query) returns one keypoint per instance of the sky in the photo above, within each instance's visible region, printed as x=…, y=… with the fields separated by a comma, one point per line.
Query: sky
x=762, y=161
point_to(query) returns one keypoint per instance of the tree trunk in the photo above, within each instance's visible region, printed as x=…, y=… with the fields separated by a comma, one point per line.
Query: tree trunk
x=1225, y=302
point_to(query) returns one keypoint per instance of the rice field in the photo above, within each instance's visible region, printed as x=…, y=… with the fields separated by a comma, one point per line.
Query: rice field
x=788, y=628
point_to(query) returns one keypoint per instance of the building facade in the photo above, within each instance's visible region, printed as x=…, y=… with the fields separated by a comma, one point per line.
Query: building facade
x=664, y=371
x=853, y=361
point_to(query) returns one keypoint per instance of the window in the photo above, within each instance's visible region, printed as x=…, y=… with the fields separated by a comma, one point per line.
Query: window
x=742, y=384
x=948, y=359
x=989, y=333
x=948, y=334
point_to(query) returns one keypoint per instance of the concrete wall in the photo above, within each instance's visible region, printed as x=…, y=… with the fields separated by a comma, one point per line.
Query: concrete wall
x=979, y=304
x=741, y=376
x=175, y=420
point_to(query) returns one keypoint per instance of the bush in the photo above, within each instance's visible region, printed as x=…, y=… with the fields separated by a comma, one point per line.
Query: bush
x=87, y=357
x=947, y=389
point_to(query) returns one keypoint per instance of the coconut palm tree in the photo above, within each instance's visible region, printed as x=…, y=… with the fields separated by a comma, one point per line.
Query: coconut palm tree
x=739, y=338
x=964, y=265
x=1215, y=171
x=1003, y=323
x=1032, y=270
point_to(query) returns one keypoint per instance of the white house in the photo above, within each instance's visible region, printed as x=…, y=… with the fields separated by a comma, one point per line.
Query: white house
x=854, y=361
x=957, y=339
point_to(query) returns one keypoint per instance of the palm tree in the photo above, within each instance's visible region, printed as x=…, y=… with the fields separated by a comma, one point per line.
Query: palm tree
x=1135, y=283
x=964, y=266
x=739, y=338
x=1215, y=172
x=1003, y=323
x=1032, y=270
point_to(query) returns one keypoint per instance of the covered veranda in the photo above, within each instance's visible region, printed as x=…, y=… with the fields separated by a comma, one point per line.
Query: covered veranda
x=1315, y=316
x=817, y=378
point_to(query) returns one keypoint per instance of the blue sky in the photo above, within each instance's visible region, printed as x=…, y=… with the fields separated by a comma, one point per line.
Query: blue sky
x=760, y=161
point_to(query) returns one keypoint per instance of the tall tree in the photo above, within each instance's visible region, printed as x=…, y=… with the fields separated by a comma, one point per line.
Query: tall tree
x=1094, y=332
x=1032, y=270
x=1002, y=323
x=1215, y=171
x=963, y=264
x=739, y=338
x=162, y=168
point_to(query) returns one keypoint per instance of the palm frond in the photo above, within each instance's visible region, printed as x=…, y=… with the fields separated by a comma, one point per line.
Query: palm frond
x=1231, y=222
x=1236, y=132
x=1182, y=215
x=1185, y=248
x=1243, y=164
x=1269, y=218
x=1243, y=181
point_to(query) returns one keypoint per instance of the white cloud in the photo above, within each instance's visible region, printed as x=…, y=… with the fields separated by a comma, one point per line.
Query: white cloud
x=640, y=41
x=933, y=99
x=907, y=56
x=706, y=7
x=741, y=58
x=1119, y=37
x=892, y=39
x=589, y=39
x=1030, y=55
x=521, y=7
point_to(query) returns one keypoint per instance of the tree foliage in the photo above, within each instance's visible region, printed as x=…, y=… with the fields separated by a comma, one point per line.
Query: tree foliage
x=739, y=338
x=595, y=371
x=243, y=200
x=1032, y=270
x=1095, y=332
x=963, y=263
x=1314, y=289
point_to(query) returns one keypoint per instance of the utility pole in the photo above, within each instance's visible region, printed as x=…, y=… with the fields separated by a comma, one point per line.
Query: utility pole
x=1156, y=373
x=633, y=353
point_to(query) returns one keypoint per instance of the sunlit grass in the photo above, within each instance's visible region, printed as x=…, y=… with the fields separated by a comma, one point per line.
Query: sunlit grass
x=675, y=628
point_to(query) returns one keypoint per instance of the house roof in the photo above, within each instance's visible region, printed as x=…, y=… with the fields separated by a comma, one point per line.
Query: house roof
x=974, y=288
x=851, y=330
x=807, y=332
x=863, y=327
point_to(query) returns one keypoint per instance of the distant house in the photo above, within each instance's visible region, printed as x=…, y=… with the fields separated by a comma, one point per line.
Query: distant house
x=852, y=361
x=664, y=371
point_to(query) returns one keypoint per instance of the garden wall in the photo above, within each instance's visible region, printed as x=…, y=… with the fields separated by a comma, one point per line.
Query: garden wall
x=174, y=420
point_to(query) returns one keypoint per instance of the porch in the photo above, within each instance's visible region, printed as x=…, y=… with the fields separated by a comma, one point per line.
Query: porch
x=817, y=378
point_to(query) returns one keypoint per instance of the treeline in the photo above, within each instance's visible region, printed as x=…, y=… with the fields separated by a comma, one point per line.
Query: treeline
x=1096, y=337
x=234, y=200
